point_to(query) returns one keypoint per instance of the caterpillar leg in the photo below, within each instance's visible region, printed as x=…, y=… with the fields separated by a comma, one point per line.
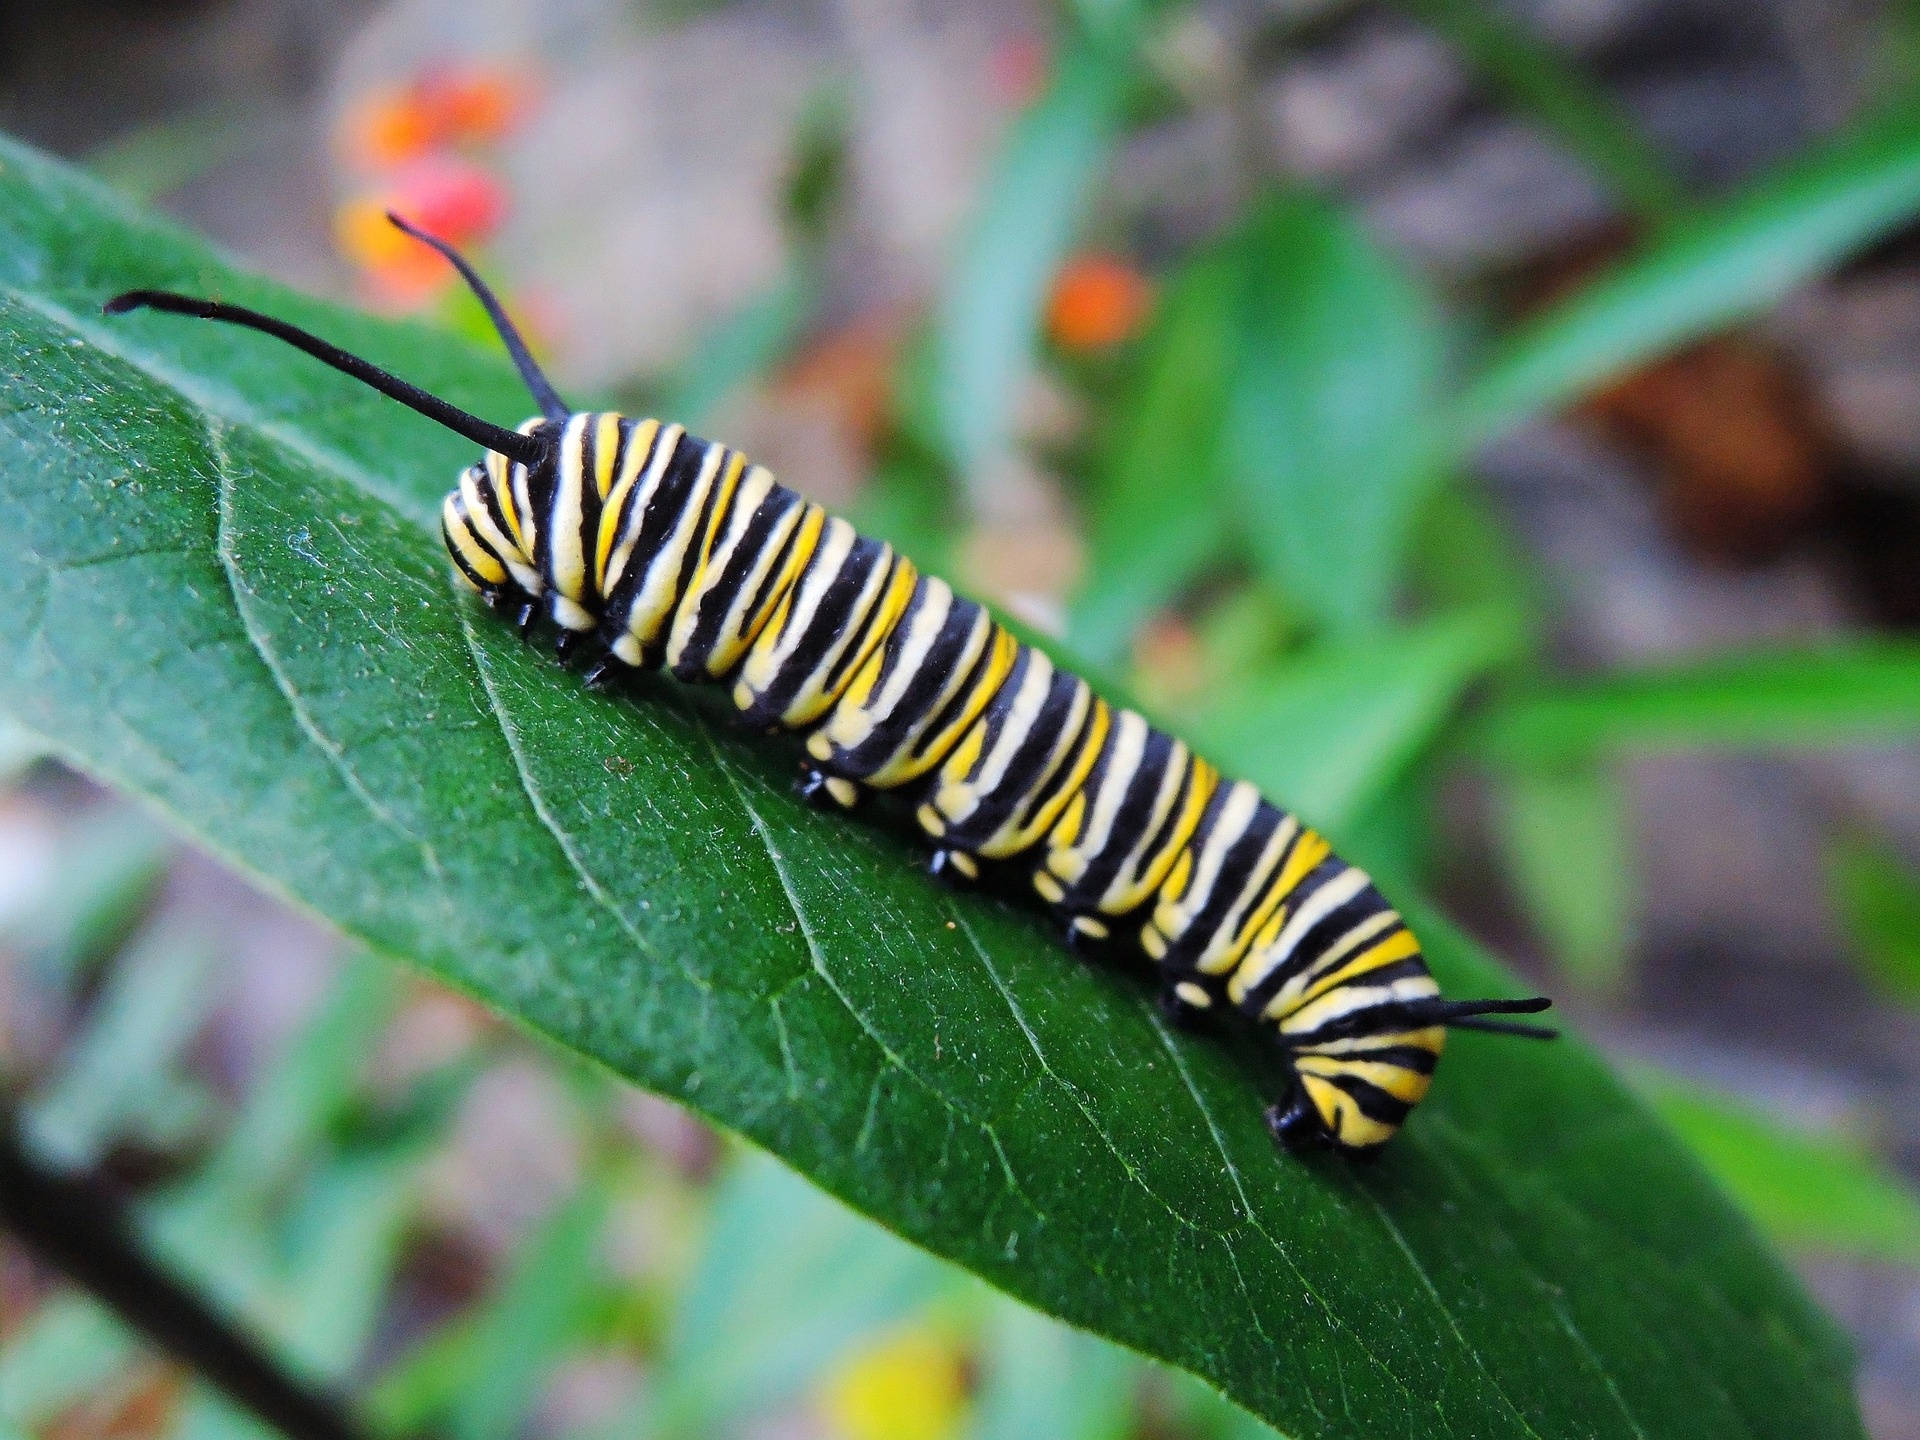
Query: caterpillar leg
x=1184, y=1002
x=821, y=789
x=572, y=645
x=952, y=867
x=1084, y=933
x=601, y=674
x=1294, y=1123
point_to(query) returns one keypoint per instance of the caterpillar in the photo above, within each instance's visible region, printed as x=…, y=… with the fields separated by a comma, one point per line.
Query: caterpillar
x=655, y=549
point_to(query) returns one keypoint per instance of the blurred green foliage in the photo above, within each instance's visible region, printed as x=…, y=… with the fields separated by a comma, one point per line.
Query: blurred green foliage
x=1879, y=901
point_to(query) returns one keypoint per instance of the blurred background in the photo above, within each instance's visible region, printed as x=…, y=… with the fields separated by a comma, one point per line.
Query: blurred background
x=1177, y=332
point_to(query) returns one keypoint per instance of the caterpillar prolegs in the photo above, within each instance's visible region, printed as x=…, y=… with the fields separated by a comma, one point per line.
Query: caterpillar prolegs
x=658, y=549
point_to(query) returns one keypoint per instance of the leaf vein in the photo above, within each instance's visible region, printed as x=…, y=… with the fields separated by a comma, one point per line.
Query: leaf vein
x=955, y=1110
x=263, y=647
x=544, y=814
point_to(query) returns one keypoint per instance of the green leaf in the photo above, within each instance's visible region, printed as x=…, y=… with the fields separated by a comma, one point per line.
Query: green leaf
x=1819, y=1194
x=529, y=1319
x=1705, y=272
x=1330, y=423
x=1582, y=115
x=63, y=1354
x=1879, y=902
x=1283, y=400
x=228, y=599
x=1825, y=696
x=1331, y=729
x=989, y=312
x=110, y=864
x=1157, y=511
x=1563, y=833
x=121, y=1067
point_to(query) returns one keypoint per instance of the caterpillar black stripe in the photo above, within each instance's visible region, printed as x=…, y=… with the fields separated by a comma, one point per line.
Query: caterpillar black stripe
x=655, y=548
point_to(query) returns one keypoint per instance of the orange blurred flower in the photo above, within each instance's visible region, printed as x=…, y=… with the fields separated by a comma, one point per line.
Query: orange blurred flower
x=476, y=105
x=384, y=130
x=452, y=198
x=1098, y=300
x=446, y=106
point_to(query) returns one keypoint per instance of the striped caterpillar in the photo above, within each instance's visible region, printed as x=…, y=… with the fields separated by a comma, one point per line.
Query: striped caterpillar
x=649, y=548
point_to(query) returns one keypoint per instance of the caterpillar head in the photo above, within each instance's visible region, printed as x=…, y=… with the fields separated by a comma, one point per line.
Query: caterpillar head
x=1362, y=1061
x=492, y=522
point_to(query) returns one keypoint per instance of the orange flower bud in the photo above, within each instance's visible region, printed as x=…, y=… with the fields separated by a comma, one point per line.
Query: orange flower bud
x=388, y=128
x=444, y=106
x=475, y=105
x=1098, y=300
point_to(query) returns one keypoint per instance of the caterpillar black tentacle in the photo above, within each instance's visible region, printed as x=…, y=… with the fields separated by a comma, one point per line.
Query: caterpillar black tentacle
x=656, y=549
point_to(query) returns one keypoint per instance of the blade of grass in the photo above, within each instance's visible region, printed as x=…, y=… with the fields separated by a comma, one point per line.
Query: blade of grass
x=527, y=1322
x=1588, y=120
x=58, y=1357
x=289, y=1110
x=153, y=159
x=1708, y=271
x=1563, y=833
x=1325, y=733
x=749, y=343
x=1044, y=1379
x=1824, y=696
x=20, y=750
x=1157, y=513
x=1816, y=1194
x=789, y=1279
x=1878, y=898
x=988, y=314
x=111, y=864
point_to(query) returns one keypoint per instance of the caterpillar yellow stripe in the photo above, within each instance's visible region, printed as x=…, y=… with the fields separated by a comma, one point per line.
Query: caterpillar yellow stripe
x=655, y=548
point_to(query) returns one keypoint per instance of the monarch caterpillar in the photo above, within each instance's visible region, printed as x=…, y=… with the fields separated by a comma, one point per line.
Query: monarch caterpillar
x=657, y=549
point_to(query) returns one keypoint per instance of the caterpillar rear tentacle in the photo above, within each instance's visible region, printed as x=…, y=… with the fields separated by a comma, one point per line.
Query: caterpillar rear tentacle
x=647, y=547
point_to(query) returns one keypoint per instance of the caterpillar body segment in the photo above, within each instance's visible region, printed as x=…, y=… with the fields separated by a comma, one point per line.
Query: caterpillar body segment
x=657, y=549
